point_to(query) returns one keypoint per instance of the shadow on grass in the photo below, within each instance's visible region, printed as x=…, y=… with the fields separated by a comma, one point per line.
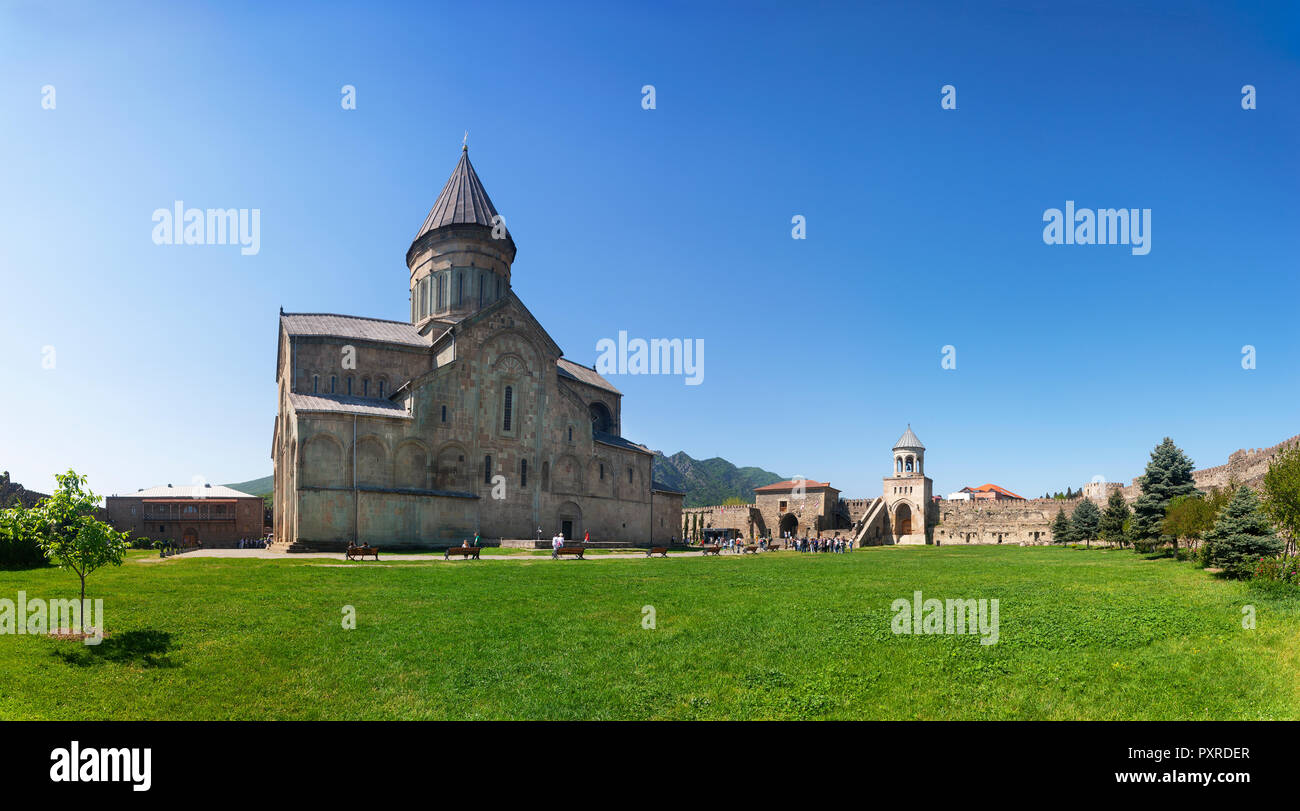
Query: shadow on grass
x=143, y=648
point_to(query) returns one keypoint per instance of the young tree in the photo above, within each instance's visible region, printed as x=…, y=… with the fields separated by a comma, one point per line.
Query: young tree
x=1189, y=517
x=65, y=527
x=1168, y=475
x=1111, y=526
x=1282, y=494
x=1241, y=536
x=1084, y=522
x=1060, y=527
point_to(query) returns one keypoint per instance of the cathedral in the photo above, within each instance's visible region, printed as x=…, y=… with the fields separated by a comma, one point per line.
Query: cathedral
x=465, y=420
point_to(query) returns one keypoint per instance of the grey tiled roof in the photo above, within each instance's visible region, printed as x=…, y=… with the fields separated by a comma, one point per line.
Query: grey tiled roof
x=188, y=491
x=587, y=375
x=352, y=326
x=463, y=200
x=663, y=488
x=343, y=404
x=619, y=442
x=908, y=440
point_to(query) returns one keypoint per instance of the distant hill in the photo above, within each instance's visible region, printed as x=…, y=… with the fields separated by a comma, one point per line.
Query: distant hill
x=705, y=481
x=257, y=487
x=710, y=481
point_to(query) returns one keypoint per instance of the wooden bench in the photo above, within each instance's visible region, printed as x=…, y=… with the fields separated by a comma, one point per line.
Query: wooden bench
x=359, y=552
x=712, y=550
x=662, y=551
x=576, y=551
x=750, y=547
x=463, y=551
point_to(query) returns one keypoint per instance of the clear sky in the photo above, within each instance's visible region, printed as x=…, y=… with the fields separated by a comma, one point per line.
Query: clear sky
x=924, y=225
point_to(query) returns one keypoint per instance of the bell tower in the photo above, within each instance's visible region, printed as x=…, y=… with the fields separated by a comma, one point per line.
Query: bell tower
x=908, y=493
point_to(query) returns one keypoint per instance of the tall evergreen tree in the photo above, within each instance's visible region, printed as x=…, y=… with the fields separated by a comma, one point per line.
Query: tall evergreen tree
x=1241, y=536
x=1168, y=475
x=1111, y=526
x=1085, y=521
x=1060, y=527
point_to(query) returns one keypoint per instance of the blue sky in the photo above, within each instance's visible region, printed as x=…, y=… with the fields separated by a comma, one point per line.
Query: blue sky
x=924, y=226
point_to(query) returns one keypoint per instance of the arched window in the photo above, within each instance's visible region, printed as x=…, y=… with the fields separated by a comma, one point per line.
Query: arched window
x=315, y=384
x=333, y=382
x=349, y=385
x=365, y=387
x=444, y=413
x=570, y=433
x=629, y=475
x=908, y=467
x=381, y=388
x=487, y=469
x=508, y=411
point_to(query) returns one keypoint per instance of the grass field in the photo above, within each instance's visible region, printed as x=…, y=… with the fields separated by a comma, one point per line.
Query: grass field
x=1083, y=634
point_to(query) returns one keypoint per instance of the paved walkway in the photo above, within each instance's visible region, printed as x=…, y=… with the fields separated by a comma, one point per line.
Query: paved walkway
x=266, y=554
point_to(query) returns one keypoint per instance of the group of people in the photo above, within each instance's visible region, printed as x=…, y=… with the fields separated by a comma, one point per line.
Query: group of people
x=252, y=543
x=834, y=545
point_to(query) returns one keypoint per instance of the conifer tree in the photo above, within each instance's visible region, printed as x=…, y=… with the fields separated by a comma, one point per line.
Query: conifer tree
x=1168, y=475
x=1085, y=521
x=1241, y=536
x=1060, y=527
x=1111, y=526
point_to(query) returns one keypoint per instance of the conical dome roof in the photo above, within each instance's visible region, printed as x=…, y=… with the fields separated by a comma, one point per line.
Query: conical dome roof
x=908, y=441
x=463, y=201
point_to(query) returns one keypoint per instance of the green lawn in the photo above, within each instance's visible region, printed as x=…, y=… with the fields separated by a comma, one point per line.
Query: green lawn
x=1084, y=634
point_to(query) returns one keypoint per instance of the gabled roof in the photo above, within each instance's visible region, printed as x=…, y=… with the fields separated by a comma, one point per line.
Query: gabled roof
x=791, y=484
x=584, y=374
x=343, y=404
x=908, y=441
x=463, y=201
x=353, y=326
x=188, y=491
x=984, y=488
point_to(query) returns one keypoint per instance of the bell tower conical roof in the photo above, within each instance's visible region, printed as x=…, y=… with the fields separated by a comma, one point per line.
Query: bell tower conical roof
x=463, y=201
x=908, y=441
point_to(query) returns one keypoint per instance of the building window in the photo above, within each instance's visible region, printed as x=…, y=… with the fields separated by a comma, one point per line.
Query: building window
x=629, y=475
x=460, y=289
x=315, y=384
x=349, y=385
x=487, y=469
x=441, y=291
x=444, y=413
x=333, y=380
x=509, y=407
x=523, y=472
x=482, y=284
x=570, y=433
x=602, y=471
x=498, y=287
x=381, y=388
x=365, y=387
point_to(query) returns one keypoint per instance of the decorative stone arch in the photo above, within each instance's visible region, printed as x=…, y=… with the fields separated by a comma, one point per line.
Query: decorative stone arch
x=372, y=463
x=411, y=465
x=568, y=474
x=600, y=472
x=322, y=462
x=789, y=524
x=568, y=519
x=602, y=419
x=903, y=519
x=451, y=471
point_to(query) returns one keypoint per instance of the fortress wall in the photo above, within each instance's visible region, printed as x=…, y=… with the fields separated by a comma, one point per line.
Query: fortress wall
x=991, y=522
